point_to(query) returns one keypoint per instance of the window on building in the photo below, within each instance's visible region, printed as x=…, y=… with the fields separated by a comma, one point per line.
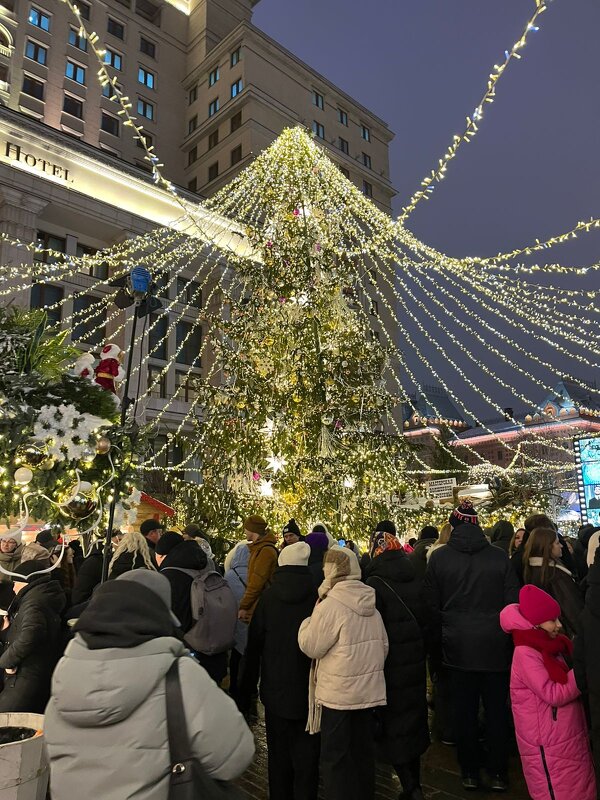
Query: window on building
x=145, y=108
x=365, y=133
x=149, y=11
x=193, y=185
x=374, y=308
x=97, y=270
x=109, y=124
x=193, y=95
x=213, y=107
x=500, y=455
x=75, y=72
x=343, y=117
x=213, y=76
x=115, y=28
x=44, y=296
x=76, y=40
x=89, y=322
x=48, y=241
x=213, y=139
x=213, y=171
x=36, y=52
x=235, y=56
x=189, y=292
x=372, y=276
x=113, y=59
x=157, y=336
x=366, y=160
x=160, y=449
x=236, y=155
x=236, y=87
x=157, y=383
x=318, y=129
x=147, y=47
x=318, y=100
x=375, y=336
x=147, y=139
x=146, y=77
x=192, y=155
x=186, y=391
x=107, y=91
x=162, y=281
x=344, y=146
x=189, y=339
x=193, y=124
x=39, y=18
x=73, y=106
x=236, y=121
x=367, y=189
x=84, y=9
x=345, y=172
x=33, y=87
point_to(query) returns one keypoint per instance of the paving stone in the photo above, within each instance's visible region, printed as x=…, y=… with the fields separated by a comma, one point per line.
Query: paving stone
x=441, y=777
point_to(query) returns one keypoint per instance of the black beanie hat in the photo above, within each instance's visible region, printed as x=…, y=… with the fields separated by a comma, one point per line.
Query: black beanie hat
x=167, y=542
x=386, y=526
x=26, y=569
x=149, y=525
x=465, y=513
x=429, y=532
x=292, y=527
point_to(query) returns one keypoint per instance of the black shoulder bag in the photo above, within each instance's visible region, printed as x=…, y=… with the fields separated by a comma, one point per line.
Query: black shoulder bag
x=188, y=779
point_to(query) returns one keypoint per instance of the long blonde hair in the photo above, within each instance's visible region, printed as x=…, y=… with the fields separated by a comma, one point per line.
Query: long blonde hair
x=443, y=538
x=133, y=542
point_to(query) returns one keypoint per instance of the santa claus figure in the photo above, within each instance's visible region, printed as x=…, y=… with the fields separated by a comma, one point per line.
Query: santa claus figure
x=84, y=367
x=109, y=371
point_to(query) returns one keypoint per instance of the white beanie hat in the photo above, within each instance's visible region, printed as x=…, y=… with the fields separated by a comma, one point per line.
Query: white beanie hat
x=294, y=555
x=16, y=536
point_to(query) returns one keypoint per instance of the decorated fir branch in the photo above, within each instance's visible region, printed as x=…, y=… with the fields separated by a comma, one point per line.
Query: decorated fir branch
x=63, y=455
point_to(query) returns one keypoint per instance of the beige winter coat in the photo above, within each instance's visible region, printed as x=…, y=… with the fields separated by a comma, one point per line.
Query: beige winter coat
x=346, y=634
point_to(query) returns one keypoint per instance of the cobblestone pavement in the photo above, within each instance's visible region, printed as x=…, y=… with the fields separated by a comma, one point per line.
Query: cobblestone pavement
x=441, y=777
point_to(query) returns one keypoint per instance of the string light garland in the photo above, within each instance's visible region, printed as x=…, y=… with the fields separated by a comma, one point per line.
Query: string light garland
x=472, y=126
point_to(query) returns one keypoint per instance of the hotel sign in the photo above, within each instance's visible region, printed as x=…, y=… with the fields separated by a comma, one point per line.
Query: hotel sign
x=15, y=152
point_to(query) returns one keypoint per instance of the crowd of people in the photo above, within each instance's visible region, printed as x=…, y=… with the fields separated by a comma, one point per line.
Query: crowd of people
x=494, y=631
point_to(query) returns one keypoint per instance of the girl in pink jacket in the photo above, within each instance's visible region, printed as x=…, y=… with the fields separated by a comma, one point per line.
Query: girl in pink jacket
x=549, y=718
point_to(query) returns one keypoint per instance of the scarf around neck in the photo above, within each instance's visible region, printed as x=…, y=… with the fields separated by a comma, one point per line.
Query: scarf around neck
x=550, y=649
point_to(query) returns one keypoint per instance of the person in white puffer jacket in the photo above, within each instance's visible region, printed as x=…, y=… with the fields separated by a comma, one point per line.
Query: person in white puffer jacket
x=106, y=723
x=346, y=639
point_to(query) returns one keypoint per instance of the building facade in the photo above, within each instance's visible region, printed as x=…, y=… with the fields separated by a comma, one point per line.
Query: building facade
x=212, y=91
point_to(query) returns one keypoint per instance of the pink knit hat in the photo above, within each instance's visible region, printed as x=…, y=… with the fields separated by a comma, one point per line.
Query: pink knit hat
x=536, y=605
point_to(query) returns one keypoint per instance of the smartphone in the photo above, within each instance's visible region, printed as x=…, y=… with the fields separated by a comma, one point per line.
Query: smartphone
x=342, y=542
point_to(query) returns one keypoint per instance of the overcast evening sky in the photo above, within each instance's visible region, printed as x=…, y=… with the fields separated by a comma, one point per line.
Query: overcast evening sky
x=421, y=65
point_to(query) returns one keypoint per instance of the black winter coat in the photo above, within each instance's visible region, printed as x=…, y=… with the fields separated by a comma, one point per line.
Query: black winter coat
x=468, y=583
x=406, y=616
x=126, y=562
x=315, y=566
x=418, y=557
x=33, y=645
x=88, y=577
x=187, y=555
x=273, y=644
x=587, y=658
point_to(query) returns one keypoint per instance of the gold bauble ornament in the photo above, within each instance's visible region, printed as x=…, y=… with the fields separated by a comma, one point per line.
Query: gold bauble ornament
x=47, y=464
x=81, y=505
x=103, y=445
x=296, y=398
x=32, y=453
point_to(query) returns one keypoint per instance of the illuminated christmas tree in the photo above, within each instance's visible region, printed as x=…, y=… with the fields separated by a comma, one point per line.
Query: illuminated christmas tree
x=296, y=413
